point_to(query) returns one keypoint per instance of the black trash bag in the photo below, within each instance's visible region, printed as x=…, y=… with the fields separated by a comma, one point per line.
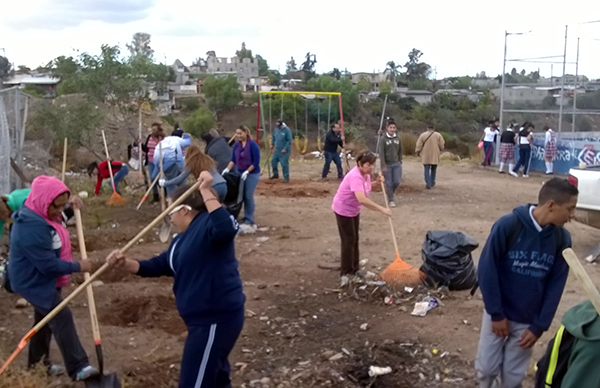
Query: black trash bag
x=235, y=194
x=447, y=260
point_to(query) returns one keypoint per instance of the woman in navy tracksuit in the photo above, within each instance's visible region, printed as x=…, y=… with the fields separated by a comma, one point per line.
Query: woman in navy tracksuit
x=207, y=285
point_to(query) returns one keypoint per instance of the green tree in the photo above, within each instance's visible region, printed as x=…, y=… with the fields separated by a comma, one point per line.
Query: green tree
x=21, y=69
x=336, y=73
x=34, y=90
x=394, y=70
x=190, y=104
x=222, y=92
x=199, y=122
x=363, y=84
x=349, y=92
x=460, y=82
x=414, y=67
x=274, y=77
x=549, y=102
x=263, y=66
x=385, y=88
x=244, y=52
x=76, y=121
x=291, y=66
x=419, y=84
x=140, y=46
x=5, y=68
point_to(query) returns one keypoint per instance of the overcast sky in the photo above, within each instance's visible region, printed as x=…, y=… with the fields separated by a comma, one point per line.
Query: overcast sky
x=460, y=37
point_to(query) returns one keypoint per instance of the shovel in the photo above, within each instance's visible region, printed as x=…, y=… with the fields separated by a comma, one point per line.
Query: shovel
x=102, y=380
x=25, y=340
x=165, y=227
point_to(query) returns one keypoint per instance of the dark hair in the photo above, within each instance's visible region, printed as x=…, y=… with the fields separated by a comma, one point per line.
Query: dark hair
x=557, y=190
x=490, y=122
x=207, y=137
x=546, y=128
x=92, y=166
x=430, y=125
x=194, y=200
x=333, y=125
x=366, y=157
x=391, y=122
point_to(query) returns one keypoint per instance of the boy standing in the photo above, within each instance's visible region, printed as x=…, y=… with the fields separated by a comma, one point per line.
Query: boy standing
x=522, y=275
x=391, y=161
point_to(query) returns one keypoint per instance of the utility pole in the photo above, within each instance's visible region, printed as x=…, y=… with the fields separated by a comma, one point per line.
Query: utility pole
x=575, y=90
x=562, y=85
x=502, y=89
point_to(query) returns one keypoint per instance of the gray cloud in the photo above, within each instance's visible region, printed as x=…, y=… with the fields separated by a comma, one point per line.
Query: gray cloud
x=185, y=30
x=72, y=13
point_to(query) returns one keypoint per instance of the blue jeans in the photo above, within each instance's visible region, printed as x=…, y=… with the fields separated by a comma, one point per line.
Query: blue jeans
x=430, y=172
x=524, y=155
x=119, y=176
x=393, y=177
x=171, y=173
x=153, y=173
x=278, y=157
x=335, y=158
x=221, y=189
x=249, y=205
x=488, y=152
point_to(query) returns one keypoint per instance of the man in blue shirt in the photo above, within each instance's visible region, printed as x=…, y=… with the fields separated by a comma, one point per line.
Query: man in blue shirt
x=522, y=275
x=281, y=145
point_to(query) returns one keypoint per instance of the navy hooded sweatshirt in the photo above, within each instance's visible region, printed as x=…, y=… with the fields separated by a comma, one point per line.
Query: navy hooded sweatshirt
x=35, y=263
x=523, y=283
x=207, y=284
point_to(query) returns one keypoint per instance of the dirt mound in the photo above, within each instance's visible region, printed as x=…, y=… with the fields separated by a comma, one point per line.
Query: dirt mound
x=293, y=189
x=403, y=188
x=162, y=373
x=155, y=312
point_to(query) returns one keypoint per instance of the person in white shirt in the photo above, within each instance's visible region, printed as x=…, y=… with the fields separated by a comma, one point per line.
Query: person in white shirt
x=525, y=142
x=488, y=138
x=550, y=150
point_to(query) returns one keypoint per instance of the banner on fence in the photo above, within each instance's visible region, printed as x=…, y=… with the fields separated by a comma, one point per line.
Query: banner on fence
x=573, y=148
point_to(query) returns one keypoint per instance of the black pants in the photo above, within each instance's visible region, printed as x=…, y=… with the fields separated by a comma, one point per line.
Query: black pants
x=348, y=227
x=62, y=327
x=335, y=158
x=524, y=156
x=204, y=363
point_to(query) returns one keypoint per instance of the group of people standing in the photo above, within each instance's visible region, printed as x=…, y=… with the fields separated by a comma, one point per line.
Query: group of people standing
x=521, y=138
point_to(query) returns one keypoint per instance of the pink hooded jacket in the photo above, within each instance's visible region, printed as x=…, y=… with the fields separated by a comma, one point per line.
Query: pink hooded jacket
x=44, y=190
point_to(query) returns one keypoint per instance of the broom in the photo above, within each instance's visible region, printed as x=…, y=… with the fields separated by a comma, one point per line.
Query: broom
x=83, y=286
x=115, y=199
x=399, y=273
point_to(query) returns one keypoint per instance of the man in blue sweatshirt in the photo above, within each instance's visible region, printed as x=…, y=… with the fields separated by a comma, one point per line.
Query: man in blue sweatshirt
x=333, y=140
x=522, y=275
x=281, y=144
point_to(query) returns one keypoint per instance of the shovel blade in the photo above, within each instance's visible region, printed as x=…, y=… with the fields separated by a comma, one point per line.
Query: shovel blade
x=103, y=381
x=164, y=232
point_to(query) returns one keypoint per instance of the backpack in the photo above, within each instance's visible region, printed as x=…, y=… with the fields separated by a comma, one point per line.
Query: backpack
x=552, y=367
x=513, y=236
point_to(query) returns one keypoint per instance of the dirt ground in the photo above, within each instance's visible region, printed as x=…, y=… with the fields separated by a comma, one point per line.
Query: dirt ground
x=301, y=330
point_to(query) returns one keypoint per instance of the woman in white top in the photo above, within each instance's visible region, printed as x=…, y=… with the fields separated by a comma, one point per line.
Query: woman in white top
x=524, y=142
x=489, y=135
x=550, y=150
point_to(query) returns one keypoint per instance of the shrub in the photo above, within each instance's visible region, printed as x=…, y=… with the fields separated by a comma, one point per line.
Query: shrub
x=409, y=143
x=199, y=122
x=354, y=133
x=190, y=104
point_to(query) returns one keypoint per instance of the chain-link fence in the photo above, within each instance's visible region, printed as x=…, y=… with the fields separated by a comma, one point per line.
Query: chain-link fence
x=21, y=149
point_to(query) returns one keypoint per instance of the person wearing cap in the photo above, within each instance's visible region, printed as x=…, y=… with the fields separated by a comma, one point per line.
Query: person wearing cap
x=281, y=146
x=10, y=204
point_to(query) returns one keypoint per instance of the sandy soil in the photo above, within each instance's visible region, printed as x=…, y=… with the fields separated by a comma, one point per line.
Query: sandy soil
x=297, y=317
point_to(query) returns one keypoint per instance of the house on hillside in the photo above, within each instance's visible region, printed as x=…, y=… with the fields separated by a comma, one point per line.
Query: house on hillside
x=45, y=82
x=245, y=70
x=462, y=93
x=182, y=73
x=375, y=79
x=420, y=96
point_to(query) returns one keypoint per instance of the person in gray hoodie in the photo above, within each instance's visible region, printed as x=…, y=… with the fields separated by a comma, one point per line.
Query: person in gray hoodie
x=391, y=161
x=217, y=148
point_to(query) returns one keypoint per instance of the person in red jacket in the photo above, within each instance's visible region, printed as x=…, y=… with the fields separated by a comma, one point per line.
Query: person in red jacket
x=119, y=170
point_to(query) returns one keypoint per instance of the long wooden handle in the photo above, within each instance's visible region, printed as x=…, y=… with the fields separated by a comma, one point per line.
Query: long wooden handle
x=582, y=276
x=64, y=164
x=162, y=176
x=112, y=178
x=106, y=266
x=390, y=219
x=147, y=192
x=140, y=142
x=86, y=275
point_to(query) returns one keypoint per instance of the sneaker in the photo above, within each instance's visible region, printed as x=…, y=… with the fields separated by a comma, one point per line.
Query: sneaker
x=392, y=204
x=344, y=281
x=514, y=174
x=501, y=171
x=86, y=372
x=286, y=181
x=525, y=175
x=56, y=370
x=274, y=177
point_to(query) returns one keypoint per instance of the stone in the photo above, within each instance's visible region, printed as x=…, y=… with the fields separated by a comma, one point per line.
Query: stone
x=303, y=313
x=336, y=357
x=97, y=283
x=326, y=355
x=262, y=286
x=364, y=327
x=21, y=303
x=250, y=313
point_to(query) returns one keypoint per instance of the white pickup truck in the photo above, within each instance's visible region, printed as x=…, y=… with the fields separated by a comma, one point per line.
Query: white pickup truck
x=587, y=180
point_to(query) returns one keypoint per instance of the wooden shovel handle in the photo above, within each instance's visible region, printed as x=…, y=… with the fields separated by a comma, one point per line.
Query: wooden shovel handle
x=112, y=178
x=390, y=220
x=582, y=277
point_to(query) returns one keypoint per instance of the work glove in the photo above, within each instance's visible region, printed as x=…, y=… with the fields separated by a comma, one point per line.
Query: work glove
x=244, y=175
x=225, y=171
x=161, y=182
